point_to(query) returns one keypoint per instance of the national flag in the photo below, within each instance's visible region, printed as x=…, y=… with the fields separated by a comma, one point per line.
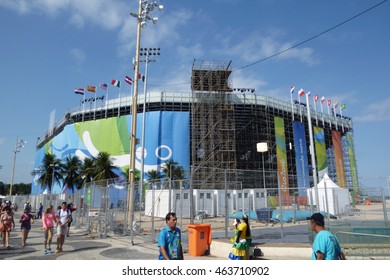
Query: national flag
x=79, y=91
x=292, y=89
x=91, y=88
x=342, y=107
x=103, y=86
x=128, y=80
x=301, y=92
x=315, y=98
x=139, y=76
x=143, y=78
x=116, y=83
x=329, y=102
x=336, y=104
x=323, y=99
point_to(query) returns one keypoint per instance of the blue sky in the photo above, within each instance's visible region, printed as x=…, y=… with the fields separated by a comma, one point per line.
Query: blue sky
x=50, y=47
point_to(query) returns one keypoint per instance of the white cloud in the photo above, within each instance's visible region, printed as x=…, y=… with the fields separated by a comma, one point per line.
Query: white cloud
x=379, y=111
x=77, y=55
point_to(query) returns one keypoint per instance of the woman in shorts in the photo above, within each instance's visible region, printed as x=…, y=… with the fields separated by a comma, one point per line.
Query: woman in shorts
x=6, y=225
x=48, y=220
x=26, y=220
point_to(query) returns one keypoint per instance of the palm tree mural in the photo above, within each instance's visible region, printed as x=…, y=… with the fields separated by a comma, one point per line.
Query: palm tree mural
x=104, y=167
x=71, y=172
x=49, y=172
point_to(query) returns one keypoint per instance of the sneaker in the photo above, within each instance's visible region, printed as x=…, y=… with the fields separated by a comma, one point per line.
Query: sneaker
x=46, y=252
x=57, y=251
x=49, y=251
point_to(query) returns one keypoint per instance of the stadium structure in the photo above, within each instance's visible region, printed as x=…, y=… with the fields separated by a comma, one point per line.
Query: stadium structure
x=212, y=133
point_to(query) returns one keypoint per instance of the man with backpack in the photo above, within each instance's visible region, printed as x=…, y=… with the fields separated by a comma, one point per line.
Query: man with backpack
x=63, y=216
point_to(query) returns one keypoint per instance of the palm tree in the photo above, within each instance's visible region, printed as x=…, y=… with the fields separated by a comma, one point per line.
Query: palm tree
x=154, y=176
x=49, y=171
x=173, y=171
x=87, y=171
x=137, y=175
x=71, y=172
x=104, y=167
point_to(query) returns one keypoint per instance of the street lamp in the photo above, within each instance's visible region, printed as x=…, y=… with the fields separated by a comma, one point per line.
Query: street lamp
x=147, y=52
x=18, y=148
x=262, y=148
x=142, y=17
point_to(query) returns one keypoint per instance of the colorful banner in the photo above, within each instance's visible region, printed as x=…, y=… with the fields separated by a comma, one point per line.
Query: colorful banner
x=167, y=138
x=301, y=158
x=339, y=159
x=320, y=146
x=352, y=163
x=281, y=156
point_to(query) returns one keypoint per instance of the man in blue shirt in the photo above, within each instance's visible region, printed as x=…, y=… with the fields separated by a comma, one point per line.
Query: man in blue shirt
x=169, y=240
x=325, y=245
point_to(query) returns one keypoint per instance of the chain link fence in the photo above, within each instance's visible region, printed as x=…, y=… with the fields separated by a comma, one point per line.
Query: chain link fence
x=102, y=207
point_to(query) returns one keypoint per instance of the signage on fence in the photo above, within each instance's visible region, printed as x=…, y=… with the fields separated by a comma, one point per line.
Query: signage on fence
x=93, y=212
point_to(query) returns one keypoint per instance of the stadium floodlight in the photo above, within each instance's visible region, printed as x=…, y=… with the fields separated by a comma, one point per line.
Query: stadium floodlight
x=144, y=9
x=18, y=149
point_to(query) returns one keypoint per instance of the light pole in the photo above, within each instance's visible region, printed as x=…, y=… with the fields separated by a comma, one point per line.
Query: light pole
x=18, y=148
x=142, y=17
x=262, y=148
x=147, y=52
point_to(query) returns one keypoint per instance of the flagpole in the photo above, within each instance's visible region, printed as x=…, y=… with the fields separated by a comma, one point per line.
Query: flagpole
x=313, y=158
x=330, y=124
x=299, y=104
x=315, y=108
x=342, y=122
x=334, y=114
x=106, y=101
x=322, y=110
x=83, y=106
x=94, y=109
x=291, y=98
x=119, y=106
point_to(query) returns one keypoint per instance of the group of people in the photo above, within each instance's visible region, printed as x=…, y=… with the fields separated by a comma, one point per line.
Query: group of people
x=325, y=245
x=61, y=219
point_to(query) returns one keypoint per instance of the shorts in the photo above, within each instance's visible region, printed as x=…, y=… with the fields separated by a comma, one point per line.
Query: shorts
x=6, y=228
x=62, y=230
x=25, y=227
x=48, y=233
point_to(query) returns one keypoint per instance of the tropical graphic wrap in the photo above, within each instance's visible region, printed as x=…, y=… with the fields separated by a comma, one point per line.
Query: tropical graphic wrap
x=339, y=159
x=281, y=154
x=167, y=138
x=352, y=162
x=301, y=158
x=320, y=146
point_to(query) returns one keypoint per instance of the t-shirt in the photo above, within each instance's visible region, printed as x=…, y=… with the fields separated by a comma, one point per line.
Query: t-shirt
x=63, y=215
x=48, y=220
x=171, y=240
x=327, y=244
x=27, y=221
x=242, y=227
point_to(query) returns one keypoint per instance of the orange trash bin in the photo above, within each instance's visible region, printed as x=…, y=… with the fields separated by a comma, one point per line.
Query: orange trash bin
x=199, y=239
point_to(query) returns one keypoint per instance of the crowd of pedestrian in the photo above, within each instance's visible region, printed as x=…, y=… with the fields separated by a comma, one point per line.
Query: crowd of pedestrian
x=61, y=220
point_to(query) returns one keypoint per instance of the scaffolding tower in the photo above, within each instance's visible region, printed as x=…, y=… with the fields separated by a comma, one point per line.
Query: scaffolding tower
x=213, y=145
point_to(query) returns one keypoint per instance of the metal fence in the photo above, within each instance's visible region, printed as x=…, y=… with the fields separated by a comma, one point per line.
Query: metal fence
x=103, y=207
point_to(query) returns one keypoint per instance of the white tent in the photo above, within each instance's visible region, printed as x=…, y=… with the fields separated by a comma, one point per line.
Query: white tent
x=332, y=198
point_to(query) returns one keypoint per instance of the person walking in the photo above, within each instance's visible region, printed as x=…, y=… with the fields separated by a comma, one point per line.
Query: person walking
x=40, y=210
x=71, y=207
x=26, y=220
x=63, y=217
x=169, y=240
x=325, y=245
x=7, y=223
x=48, y=221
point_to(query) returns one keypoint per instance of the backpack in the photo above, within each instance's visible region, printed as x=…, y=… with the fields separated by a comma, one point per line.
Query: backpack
x=67, y=211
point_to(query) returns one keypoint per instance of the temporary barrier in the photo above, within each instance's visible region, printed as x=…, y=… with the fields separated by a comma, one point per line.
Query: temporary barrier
x=199, y=239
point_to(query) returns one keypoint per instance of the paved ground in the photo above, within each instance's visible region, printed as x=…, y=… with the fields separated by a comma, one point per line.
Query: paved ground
x=81, y=246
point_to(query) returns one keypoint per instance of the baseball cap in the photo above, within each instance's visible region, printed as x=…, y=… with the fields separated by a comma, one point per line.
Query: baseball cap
x=318, y=218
